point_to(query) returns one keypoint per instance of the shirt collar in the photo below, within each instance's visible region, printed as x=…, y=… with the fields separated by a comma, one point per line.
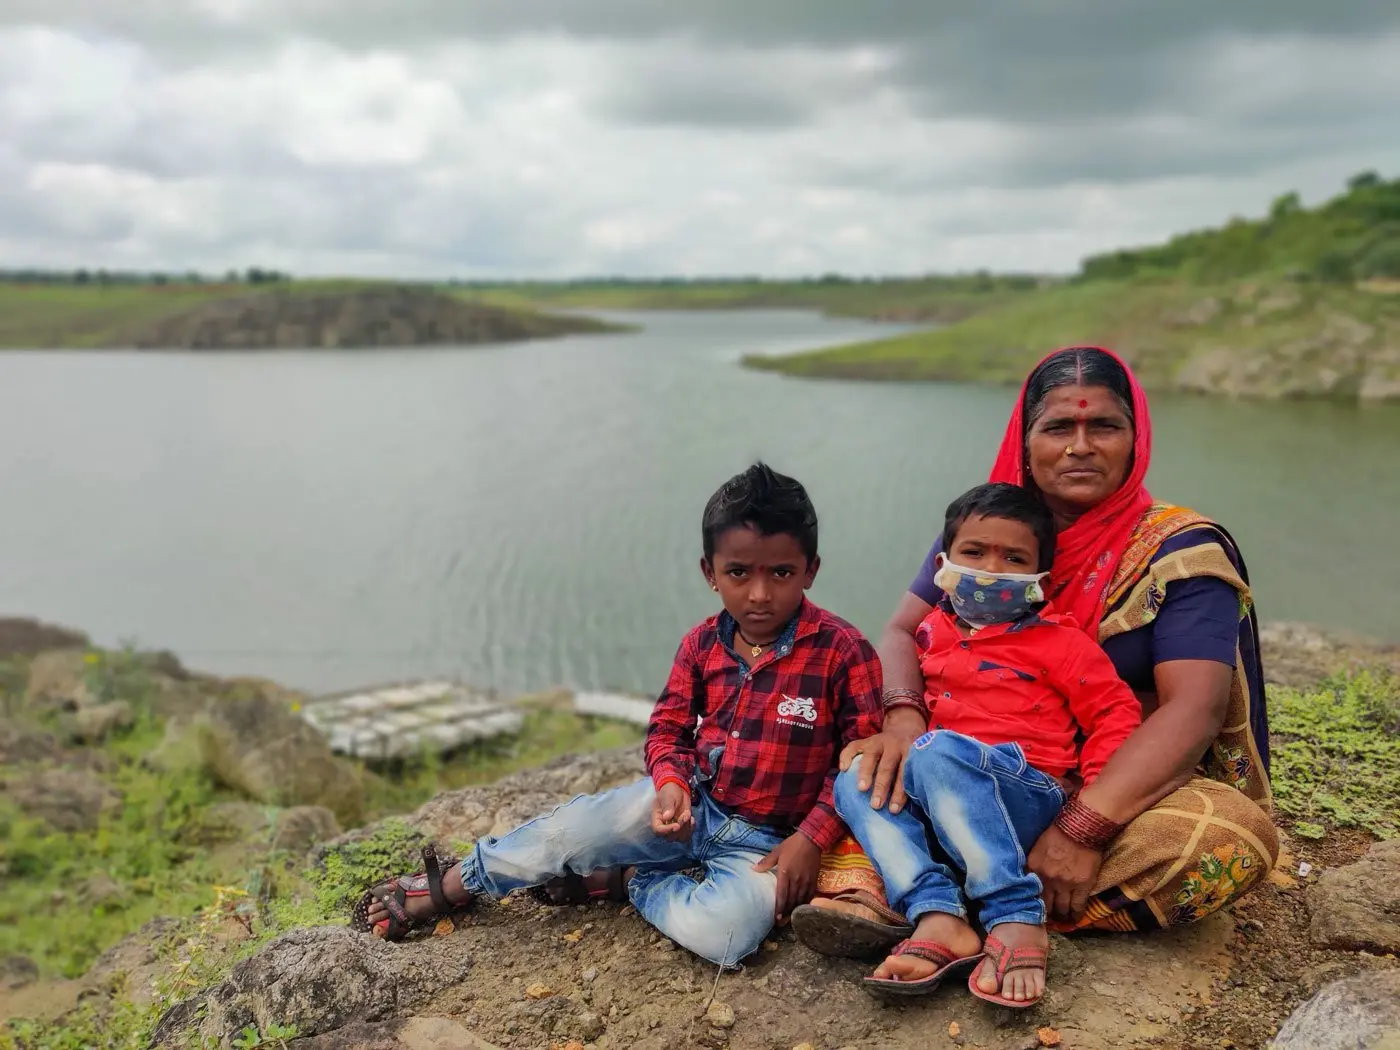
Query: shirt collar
x=1041, y=617
x=803, y=623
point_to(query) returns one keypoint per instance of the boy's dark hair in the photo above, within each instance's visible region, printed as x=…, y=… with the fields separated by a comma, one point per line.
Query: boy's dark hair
x=762, y=499
x=1001, y=500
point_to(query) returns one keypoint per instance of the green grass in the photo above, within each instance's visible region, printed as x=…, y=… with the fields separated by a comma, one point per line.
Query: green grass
x=894, y=299
x=41, y=317
x=1336, y=755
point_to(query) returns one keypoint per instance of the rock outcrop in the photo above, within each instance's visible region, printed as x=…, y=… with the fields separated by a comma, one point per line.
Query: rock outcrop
x=252, y=742
x=65, y=799
x=1357, y=907
x=22, y=636
x=383, y=316
x=319, y=980
x=1355, y=1013
x=1300, y=655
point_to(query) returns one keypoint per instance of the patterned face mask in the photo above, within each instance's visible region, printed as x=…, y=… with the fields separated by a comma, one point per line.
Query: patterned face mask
x=982, y=599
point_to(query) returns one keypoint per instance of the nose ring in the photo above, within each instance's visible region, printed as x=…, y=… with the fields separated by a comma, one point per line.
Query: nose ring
x=1069, y=450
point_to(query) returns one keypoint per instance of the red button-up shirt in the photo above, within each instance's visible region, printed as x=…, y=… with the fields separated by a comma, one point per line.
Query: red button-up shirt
x=1038, y=682
x=781, y=722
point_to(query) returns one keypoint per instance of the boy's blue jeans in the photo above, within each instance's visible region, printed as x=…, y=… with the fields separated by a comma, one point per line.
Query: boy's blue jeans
x=722, y=917
x=986, y=807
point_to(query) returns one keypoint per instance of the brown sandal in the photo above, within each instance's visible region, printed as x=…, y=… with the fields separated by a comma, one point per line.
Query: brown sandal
x=828, y=931
x=394, y=896
x=1005, y=960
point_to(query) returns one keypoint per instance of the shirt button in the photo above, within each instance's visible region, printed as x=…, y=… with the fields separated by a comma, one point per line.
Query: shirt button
x=964, y=645
x=735, y=734
x=947, y=696
x=719, y=791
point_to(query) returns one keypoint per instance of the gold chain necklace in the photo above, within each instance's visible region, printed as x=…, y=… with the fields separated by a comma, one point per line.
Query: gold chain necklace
x=754, y=649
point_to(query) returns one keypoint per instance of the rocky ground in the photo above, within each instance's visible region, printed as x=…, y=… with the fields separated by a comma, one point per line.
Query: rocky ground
x=1312, y=952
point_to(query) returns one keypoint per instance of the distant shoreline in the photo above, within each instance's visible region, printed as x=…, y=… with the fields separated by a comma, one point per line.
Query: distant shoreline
x=291, y=316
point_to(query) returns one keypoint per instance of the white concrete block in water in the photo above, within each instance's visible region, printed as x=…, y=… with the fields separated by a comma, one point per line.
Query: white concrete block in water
x=620, y=706
x=401, y=719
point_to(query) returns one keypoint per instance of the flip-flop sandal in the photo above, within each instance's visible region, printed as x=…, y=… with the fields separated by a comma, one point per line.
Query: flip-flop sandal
x=575, y=889
x=1007, y=959
x=846, y=936
x=394, y=896
x=940, y=955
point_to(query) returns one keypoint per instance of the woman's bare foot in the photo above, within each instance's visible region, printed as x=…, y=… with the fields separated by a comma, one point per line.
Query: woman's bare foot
x=948, y=930
x=420, y=905
x=1020, y=985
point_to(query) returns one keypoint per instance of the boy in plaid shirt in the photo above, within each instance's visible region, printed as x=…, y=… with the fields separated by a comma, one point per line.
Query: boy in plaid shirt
x=741, y=749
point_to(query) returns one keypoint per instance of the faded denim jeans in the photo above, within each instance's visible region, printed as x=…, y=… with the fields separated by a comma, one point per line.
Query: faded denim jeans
x=722, y=917
x=985, y=806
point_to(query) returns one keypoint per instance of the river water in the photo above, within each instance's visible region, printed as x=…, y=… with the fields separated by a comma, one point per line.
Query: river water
x=528, y=515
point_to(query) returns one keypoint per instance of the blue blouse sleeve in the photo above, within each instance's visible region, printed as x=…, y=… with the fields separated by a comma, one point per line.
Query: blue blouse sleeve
x=1200, y=620
x=923, y=585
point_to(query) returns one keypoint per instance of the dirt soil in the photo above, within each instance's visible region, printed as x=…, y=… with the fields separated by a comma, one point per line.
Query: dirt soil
x=599, y=977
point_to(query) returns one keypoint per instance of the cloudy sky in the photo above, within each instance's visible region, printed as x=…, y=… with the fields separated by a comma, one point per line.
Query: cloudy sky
x=571, y=137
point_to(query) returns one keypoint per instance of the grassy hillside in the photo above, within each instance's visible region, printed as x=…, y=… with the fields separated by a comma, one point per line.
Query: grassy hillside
x=42, y=315
x=1245, y=339
x=1299, y=303
x=936, y=298
x=1354, y=236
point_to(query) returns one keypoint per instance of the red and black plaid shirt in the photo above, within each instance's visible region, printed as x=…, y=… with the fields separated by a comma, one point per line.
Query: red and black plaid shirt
x=781, y=722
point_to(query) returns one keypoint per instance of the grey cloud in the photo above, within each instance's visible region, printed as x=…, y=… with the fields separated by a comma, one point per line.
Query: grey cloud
x=678, y=83
x=673, y=103
x=819, y=22
x=601, y=138
x=1002, y=57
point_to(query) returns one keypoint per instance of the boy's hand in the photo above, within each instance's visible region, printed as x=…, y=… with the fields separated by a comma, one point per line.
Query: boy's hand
x=796, y=861
x=670, y=813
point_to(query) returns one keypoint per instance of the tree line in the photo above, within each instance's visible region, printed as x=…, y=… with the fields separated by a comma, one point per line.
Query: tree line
x=254, y=275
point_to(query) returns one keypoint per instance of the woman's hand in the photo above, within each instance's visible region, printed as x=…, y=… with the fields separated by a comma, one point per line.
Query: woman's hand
x=1067, y=873
x=883, y=764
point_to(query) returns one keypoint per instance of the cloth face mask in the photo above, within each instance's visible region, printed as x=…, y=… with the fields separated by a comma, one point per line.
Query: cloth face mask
x=983, y=599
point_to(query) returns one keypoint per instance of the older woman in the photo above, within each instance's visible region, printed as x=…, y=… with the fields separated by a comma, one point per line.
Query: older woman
x=1177, y=824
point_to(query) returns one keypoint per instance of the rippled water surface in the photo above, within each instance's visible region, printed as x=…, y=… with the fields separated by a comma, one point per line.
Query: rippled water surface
x=529, y=515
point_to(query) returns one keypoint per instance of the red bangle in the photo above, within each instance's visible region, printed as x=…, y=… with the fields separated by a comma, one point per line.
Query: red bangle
x=891, y=698
x=1086, y=826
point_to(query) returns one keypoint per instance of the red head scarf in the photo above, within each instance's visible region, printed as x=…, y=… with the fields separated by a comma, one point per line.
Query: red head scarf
x=1087, y=553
